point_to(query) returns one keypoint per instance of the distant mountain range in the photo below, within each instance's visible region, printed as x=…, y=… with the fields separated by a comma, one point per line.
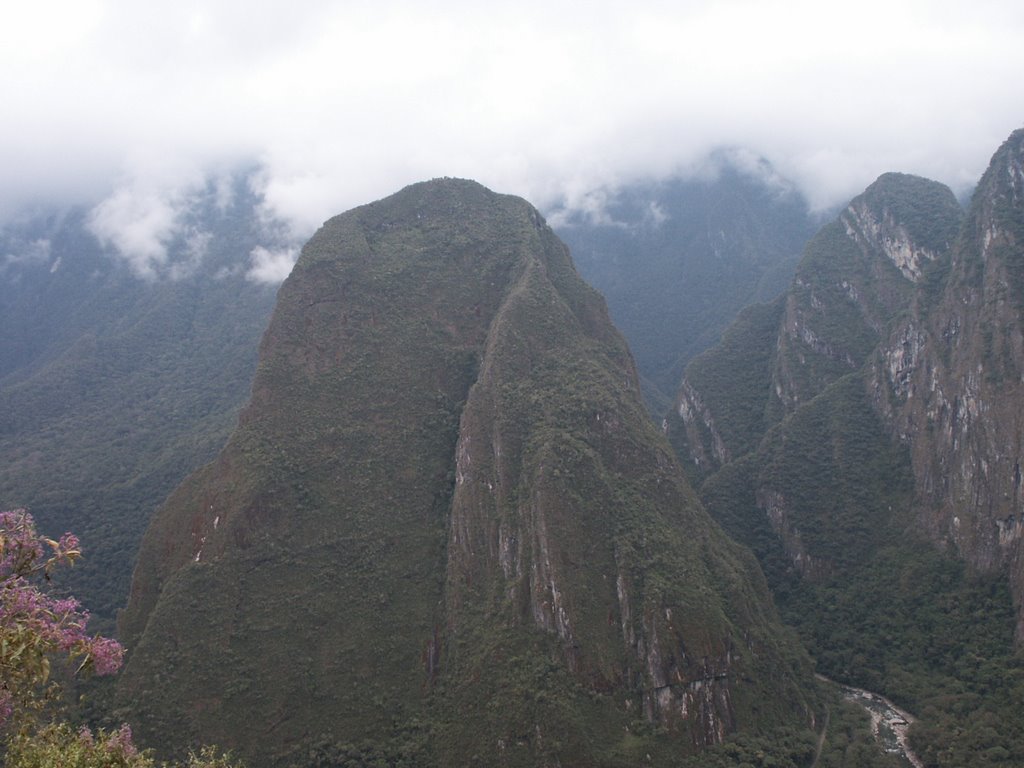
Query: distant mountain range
x=677, y=259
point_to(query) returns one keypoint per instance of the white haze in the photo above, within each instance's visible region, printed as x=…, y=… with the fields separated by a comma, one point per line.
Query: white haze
x=127, y=106
x=270, y=266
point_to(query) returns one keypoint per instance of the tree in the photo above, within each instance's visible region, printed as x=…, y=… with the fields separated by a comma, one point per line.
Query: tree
x=37, y=628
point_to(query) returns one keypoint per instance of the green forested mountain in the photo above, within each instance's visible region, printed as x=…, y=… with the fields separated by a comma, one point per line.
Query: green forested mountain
x=846, y=432
x=441, y=500
x=445, y=531
x=114, y=387
x=677, y=260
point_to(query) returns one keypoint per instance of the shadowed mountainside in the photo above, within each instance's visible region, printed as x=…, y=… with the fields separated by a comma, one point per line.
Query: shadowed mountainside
x=678, y=259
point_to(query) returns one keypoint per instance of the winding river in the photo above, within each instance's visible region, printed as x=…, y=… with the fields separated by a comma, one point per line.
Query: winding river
x=889, y=723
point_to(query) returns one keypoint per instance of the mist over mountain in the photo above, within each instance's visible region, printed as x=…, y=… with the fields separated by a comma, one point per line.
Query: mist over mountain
x=130, y=327
x=446, y=526
x=677, y=260
x=118, y=375
x=422, y=516
x=859, y=434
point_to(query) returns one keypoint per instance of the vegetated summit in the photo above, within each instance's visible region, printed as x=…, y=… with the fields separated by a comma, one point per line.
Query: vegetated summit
x=445, y=530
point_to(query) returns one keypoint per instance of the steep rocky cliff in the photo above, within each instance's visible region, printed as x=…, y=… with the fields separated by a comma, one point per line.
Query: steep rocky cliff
x=950, y=382
x=856, y=275
x=863, y=436
x=445, y=530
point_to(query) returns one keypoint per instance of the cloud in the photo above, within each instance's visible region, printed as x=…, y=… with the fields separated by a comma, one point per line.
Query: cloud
x=138, y=223
x=585, y=206
x=270, y=266
x=340, y=104
x=19, y=253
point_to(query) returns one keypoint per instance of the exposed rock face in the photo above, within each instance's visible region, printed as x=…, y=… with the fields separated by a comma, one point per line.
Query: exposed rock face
x=950, y=381
x=721, y=411
x=928, y=308
x=446, y=521
x=857, y=273
x=777, y=509
x=793, y=358
x=707, y=453
x=879, y=231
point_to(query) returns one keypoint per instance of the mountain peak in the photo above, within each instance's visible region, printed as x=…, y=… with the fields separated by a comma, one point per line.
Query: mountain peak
x=445, y=512
x=897, y=215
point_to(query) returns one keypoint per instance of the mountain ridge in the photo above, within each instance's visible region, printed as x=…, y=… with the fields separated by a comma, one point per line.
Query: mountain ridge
x=869, y=459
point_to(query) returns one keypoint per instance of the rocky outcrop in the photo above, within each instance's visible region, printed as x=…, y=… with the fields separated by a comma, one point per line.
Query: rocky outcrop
x=707, y=448
x=857, y=274
x=950, y=381
x=882, y=233
x=445, y=510
x=774, y=505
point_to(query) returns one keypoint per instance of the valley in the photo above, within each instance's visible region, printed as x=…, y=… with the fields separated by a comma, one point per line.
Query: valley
x=889, y=723
x=820, y=434
x=431, y=521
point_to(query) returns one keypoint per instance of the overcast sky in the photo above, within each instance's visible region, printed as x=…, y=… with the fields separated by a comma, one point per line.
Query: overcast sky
x=345, y=102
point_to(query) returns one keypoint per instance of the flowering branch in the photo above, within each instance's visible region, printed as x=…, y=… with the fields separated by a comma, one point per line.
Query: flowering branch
x=35, y=626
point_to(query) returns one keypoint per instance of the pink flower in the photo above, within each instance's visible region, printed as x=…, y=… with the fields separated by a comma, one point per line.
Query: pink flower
x=121, y=742
x=66, y=607
x=54, y=626
x=107, y=656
